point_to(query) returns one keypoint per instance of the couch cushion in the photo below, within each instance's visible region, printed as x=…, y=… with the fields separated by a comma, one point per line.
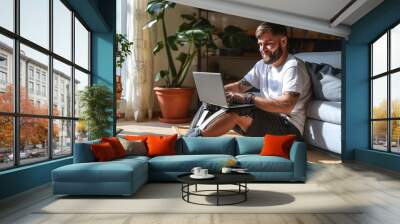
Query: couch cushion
x=324, y=135
x=325, y=111
x=333, y=58
x=112, y=171
x=257, y=163
x=83, y=152
x=185, y=163
x=249, y=145
x=206, y=145
x=326, y=81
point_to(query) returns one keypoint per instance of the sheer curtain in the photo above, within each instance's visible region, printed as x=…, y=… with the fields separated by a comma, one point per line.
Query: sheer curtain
x=139, y=76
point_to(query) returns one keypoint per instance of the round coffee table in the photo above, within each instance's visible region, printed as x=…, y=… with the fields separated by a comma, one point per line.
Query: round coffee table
x=238, y=179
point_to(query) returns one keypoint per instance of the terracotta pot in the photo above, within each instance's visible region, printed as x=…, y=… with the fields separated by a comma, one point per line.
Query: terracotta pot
x=174, y=104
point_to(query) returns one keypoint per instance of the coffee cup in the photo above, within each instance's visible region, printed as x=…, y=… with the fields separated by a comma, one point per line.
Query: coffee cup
x=196, y=171
x=203, y=172
x=226, y=170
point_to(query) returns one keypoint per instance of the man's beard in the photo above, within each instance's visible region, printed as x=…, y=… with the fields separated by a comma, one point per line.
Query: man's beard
x=272, y=57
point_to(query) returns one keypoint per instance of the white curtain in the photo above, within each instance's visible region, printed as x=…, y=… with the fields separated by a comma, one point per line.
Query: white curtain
x=139, y=76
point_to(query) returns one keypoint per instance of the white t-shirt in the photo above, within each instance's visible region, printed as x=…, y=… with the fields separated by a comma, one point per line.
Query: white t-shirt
x=272, y=82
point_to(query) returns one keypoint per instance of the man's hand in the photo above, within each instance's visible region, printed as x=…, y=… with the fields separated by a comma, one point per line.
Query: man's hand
x=239, y=98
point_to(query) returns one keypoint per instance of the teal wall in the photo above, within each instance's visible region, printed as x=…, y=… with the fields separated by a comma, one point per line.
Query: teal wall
x=24, y=178
x=99, y=16
x=356, y=85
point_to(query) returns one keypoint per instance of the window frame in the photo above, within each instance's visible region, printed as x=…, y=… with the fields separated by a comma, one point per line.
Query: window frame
x=388, y=74
x=16, y=114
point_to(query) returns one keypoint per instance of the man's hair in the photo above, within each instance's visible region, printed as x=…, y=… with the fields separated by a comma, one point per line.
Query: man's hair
x=273, y=28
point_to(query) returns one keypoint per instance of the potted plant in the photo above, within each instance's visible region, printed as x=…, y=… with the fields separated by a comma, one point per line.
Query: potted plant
x=235, y=41
x=123, y=50
x=96, y=102
x=192, y=34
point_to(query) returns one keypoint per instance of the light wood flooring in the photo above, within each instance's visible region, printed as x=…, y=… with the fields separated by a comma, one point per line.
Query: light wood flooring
x=377, y=189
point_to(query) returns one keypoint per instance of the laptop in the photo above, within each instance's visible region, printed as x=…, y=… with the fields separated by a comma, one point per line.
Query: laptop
x=211, y=90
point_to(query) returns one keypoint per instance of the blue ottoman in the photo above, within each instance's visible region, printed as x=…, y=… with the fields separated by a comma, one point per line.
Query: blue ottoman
x=118, y=177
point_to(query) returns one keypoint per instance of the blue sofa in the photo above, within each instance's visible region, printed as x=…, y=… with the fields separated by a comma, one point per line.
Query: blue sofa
x=125, y=176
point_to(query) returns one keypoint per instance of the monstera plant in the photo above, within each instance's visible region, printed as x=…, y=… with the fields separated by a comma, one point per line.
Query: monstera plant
x=180, y=48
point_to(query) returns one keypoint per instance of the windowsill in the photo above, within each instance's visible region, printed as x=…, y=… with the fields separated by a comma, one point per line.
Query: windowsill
x=381, y=159
x=379, y=151
x=26, y=167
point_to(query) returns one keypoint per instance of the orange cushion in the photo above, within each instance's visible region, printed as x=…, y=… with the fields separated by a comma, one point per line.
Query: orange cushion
x=135, y=137
x=116, y=145
x=277, y=145
x=103, y=151
x=161, y=145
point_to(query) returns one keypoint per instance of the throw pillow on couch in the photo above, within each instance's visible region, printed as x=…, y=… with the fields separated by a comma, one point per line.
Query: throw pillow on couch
x=134, y=147
x=103, y=152
x=277, y=145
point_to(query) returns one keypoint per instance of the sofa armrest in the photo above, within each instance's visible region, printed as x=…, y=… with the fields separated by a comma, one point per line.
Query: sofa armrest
x=298, y=155
x=83, y=152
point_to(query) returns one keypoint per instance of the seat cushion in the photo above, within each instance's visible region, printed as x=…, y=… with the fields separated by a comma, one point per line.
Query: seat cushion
x=249, y=145
x=326, y=81
x=111, y=171
x=257, y=163
x=206, y=145
x=325, y=111
x=324, y=135
x=184, y=163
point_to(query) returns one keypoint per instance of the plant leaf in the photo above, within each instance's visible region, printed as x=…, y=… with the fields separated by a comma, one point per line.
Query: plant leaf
x=150, y=23
x=170, y=5
x=182, y=57
x=160, y=75
x=158, y=47
x=155, y=7
x=171, y=40
x=184, y=27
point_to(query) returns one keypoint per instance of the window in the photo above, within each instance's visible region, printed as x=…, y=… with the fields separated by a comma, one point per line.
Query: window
x=45, y=131
x=7, y=14
x=38, y=89
x=3, y=61
x=30, y=72
x=62, y=140
x=43, y=90
x=81, y=81
x=385, y=94
x=62, y=75
x=30, y=87
x=3, y=78
x=37, y=74
x=34, y=21
x=7, y=142
x=62, y=29
x=6, y=73
x=81, y=45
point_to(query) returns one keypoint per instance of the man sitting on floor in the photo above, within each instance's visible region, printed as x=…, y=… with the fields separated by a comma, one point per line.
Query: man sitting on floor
x=284, y=90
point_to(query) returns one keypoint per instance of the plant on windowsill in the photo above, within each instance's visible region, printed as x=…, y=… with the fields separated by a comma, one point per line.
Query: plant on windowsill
x=193, y=34
x=96, y=102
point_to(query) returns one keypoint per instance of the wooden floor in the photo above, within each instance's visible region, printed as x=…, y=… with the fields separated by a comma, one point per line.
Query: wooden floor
x=377, y=189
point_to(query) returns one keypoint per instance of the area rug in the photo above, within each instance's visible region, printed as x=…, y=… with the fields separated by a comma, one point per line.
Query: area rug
x=166, y=198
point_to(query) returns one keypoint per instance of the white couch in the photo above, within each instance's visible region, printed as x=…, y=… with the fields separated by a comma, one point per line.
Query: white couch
x=323, y=123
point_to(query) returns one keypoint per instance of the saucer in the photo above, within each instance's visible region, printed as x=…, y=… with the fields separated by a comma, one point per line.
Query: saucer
x=208, y=176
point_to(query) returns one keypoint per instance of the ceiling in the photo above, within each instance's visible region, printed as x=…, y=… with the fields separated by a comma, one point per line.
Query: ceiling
x=333, y=17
